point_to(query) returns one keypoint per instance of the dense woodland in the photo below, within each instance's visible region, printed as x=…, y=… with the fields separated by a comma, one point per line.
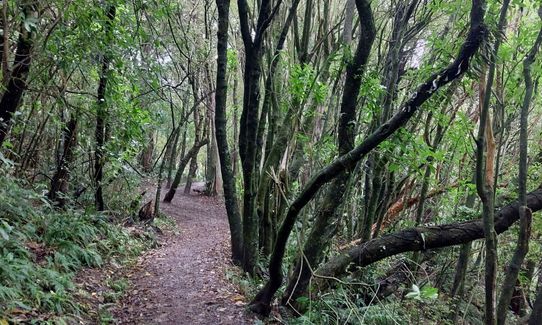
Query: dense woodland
x=379, y=161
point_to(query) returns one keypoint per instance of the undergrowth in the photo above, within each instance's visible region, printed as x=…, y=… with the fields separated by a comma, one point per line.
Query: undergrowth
x=41, y=249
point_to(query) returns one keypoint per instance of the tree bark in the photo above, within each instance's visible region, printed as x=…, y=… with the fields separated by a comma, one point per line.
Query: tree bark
x=249, y=123
x=275, y=143
x=191, y=173
x=485, y=169
x=424, y=238
x=16, y=84
x=146, y=155
x=60, y=180
x=4, y=43
x=173, y=156
x=101, y=116
x=536, y=314
x=462, y=264
x=221, y=96
x=349, y=10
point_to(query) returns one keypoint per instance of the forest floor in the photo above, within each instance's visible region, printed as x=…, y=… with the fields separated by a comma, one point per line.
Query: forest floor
x=184, y=280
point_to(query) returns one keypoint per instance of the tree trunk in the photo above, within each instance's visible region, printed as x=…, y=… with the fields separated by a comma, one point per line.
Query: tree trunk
x=173, y=156
x=101, y=117
x=327, y=218
x=16, y=84
x=182, y=153
x=146, y=155
x=536, y=314
x=249, y=125
x=462, y=264
x=275, y=144
x=424, y=238
x=525, y=215
x=213, y=177
x=221, y=96
x=191, y=174
x=4, y=43
x=193, y=152
x=485, y=156
x=349, y=11
x=59, y=182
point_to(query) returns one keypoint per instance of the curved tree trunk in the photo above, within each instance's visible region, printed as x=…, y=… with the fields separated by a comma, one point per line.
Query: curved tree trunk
x=193, y=152
x=327, y=218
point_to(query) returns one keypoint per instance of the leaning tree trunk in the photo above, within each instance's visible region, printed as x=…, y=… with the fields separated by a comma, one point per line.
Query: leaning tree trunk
x=191, y=174
x=327, y=218
x=172, y=156
x=16, y=84
x=193, y=152
x=422, y=238
x=170, y=146
x=172, y=162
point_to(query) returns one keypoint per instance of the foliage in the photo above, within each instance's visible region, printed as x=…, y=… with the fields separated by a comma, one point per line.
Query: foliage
x=160, y=79
x=41, y=250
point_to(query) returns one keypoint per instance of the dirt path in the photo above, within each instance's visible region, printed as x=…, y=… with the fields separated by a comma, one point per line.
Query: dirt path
x=183, y=281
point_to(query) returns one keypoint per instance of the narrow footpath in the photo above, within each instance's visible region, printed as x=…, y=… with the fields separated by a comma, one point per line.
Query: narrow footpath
x=183, y=281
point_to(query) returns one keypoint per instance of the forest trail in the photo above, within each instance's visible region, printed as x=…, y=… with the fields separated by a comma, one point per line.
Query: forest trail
x=183, y=281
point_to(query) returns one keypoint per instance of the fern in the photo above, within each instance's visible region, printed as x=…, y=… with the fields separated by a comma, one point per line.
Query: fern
x=41, y=249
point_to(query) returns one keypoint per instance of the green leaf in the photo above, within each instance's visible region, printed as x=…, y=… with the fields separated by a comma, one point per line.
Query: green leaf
x=429, y=293
x=4, y=234
x=30, y=24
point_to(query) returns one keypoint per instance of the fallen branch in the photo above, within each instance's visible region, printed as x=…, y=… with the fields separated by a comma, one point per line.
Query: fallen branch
x=423, y=238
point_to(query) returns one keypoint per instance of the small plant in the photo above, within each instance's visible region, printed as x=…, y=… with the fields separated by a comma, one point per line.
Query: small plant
x=425, y=294
x=118, y=288
x=166, y=223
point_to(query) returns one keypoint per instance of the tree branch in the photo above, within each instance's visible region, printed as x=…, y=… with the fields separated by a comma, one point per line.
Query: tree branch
x=423, y=238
